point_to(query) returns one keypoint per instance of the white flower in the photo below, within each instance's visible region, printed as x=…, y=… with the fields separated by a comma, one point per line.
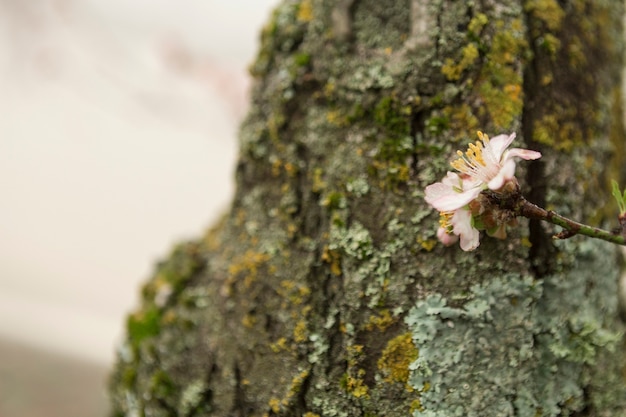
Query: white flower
x=458, y=224
x=487, y=164
x=451, y=199
x=452, y=192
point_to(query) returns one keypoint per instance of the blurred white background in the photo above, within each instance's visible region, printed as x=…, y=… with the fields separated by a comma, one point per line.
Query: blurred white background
x=118, y=122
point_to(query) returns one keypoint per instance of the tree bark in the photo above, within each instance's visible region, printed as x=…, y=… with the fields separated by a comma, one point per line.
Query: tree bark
x=324, y=292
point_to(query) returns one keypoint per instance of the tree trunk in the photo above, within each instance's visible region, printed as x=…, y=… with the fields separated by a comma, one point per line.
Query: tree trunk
x=324, y=291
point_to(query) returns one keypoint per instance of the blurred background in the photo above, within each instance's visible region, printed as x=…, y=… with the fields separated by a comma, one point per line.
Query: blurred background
x=118, y=123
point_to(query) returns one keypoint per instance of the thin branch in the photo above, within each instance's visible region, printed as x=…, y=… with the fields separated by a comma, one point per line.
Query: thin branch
x=532, y=211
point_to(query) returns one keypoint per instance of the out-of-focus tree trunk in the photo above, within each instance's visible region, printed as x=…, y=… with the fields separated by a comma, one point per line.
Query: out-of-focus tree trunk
x=324, y=292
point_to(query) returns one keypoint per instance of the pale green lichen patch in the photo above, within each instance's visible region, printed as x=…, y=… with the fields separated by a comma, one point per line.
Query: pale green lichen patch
x=191, y=398
x=355, y=241
x=512, y=346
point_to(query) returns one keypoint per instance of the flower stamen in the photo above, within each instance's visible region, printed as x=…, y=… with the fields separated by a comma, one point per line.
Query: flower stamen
x=445, y=221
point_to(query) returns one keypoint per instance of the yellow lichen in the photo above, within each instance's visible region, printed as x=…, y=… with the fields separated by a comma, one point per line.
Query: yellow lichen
x=551, y=43
x=452, y=70
x=416, y=405
x=500, y=82
x=318, y=183
x=169, y=316
x=276, y=164
x=292, y=229
x=357, y=387
x=248, y=321
x=395, y=359
x=337, y=118
x=428, y=244
x=576, y=53
x=296, y=384
x=290, y=169
x=559, y=132
x=279, y=345
x=305, y=11
x=296, y=294
x=248, y=263
x=300, y=333
x=462, y=119
x=333, y=258
x=477, y=23
x=381, y=321
x=548, y=11
x=274, y=404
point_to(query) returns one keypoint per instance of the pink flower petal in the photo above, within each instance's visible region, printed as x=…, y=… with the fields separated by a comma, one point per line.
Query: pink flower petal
x=436, y=190
x=526, y=154
x=452, y=179
x=450, y=201
x=446, y=238
x=506, y=173
x=499, y=144
x=462, y=226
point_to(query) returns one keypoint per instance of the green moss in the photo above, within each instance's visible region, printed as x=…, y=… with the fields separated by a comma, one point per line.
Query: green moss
x=393, y=122
x=393, y=118
x=334, y=200
x=142, y=325
x=172, y=275
x=438, y=124
x=283, y=33
x=161, y=385
x=302, y=59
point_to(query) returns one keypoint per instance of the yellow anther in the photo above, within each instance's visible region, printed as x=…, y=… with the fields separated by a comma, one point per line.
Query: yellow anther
x=475, y=153
x=483, y=137
x=445, y=220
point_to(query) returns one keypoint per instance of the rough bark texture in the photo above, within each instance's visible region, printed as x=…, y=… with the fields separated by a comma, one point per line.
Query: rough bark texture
x=324, y=292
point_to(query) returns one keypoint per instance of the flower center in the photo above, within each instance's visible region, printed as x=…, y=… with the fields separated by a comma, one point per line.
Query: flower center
x=473, y=162
x=445, y=221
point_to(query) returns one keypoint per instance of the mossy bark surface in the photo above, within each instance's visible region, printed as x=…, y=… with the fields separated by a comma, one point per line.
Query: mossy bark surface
x=324, y=291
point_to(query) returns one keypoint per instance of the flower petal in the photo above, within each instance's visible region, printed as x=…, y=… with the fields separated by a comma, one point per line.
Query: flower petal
x=462, y=223
x=499, y=144
x=446, y=238
x=451, y=200
x=436, y=190
x=506, y=173
x=452, y=179
x=526, y=154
